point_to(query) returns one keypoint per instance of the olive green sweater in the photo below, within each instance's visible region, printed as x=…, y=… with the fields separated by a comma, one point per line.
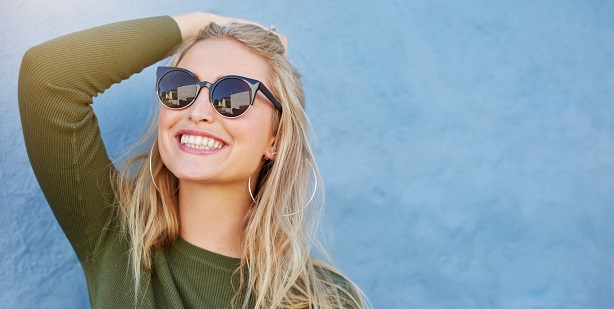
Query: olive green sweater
x=57, y=82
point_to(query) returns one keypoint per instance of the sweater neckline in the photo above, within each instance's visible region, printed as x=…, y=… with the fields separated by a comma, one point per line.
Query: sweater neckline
x=205, y=256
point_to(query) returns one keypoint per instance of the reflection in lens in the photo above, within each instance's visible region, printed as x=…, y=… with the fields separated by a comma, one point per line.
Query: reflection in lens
x=231, y=97
x=177, y=89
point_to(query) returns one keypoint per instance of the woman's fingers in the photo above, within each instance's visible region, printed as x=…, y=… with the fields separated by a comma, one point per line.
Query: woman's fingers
x=220, y=20
x=190, y=24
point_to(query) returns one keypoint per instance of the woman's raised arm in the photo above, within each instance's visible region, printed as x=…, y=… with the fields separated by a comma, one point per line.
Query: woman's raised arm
x=57, y=82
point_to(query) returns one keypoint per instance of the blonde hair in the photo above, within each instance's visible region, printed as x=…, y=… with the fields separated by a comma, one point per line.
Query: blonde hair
x=277, y=268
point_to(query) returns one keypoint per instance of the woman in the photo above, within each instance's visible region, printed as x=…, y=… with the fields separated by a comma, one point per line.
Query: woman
x=222, y=210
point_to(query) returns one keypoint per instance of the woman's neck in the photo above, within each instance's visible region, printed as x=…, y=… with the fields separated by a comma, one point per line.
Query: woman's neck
x=212, y=216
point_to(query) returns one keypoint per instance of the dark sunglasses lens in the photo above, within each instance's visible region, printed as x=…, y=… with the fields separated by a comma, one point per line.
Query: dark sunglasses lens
x=177, y=89
x=231, y=97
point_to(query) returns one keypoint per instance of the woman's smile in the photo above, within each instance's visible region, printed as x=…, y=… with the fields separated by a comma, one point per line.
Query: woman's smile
x=199, y=142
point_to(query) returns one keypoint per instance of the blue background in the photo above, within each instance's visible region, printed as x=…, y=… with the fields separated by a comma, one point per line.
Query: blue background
x=467, y=147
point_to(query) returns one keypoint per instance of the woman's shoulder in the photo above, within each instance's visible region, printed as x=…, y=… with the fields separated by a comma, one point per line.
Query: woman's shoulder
x=340, y=285
x=331, y=274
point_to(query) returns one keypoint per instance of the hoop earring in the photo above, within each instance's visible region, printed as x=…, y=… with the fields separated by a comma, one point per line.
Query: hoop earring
x=249, y=188
x=150, y=169
x=313, y=194
x=151, y=172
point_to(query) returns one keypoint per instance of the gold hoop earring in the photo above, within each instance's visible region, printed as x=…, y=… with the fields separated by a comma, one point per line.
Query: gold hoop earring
x=151, y=171
x=313, y=194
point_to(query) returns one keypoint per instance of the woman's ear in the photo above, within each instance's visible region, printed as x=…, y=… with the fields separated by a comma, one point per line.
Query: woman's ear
x=271, y=151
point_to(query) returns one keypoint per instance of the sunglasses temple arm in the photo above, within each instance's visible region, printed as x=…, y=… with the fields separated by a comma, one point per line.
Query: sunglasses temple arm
x=269, y=95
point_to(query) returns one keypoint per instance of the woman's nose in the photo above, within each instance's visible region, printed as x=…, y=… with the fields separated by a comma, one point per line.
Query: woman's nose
x=201, y=109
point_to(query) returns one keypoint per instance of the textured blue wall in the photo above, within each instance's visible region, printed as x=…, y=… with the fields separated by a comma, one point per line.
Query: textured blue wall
x=467, y=148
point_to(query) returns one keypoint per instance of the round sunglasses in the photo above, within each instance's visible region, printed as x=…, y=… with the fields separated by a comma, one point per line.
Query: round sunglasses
x=231, y=96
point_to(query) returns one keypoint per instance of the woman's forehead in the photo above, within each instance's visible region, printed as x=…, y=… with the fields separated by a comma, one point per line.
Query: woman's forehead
x=213, y=58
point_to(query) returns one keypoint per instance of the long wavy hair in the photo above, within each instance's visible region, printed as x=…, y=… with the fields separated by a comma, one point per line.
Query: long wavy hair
x=277, y=268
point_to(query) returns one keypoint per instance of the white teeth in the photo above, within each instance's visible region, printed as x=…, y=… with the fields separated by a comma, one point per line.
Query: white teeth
x=200, y=142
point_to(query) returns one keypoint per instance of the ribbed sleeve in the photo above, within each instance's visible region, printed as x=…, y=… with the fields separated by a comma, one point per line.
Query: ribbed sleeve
x=57, y=82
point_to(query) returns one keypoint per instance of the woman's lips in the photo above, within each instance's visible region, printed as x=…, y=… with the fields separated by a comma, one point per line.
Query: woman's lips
x=198, y=142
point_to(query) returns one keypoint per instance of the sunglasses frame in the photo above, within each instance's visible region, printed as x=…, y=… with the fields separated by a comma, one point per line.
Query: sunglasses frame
x=253, y=84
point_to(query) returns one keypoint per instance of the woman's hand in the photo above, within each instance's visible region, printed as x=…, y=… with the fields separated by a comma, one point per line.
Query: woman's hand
x=190, y=24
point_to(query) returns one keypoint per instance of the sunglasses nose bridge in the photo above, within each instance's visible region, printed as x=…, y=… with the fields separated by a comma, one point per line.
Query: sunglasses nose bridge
x=201, y=85
x=200, y=109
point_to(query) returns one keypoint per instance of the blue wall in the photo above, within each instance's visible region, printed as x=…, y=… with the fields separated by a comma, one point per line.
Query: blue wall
x=467, y=148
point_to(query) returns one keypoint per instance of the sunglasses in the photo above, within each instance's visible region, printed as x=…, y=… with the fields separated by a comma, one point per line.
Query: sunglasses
x=231, y=96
